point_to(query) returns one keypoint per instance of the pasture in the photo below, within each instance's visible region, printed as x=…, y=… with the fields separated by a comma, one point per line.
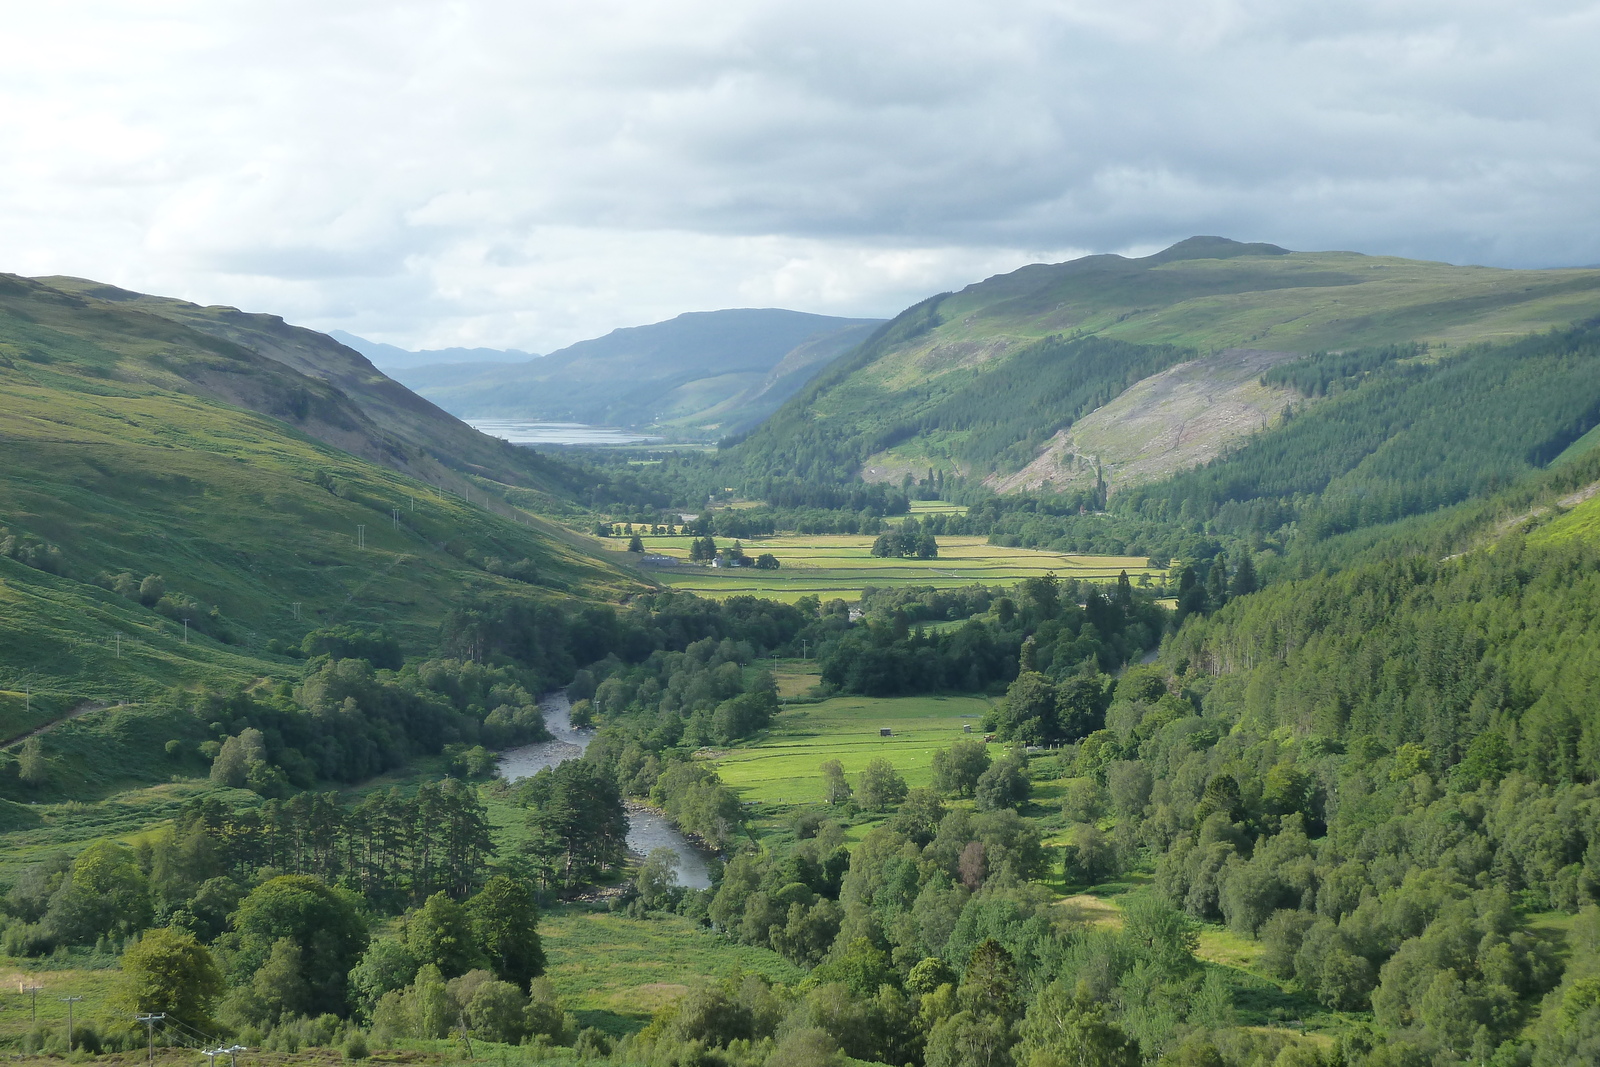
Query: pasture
x=613, y=972
x=780, y=768
x=839, y=566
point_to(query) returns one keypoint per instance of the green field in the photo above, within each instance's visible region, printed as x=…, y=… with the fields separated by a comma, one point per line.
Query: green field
x=613, y=972
x=781, y=767
x=841, y=565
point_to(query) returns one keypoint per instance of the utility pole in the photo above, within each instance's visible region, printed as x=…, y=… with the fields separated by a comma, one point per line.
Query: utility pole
x=361, y=537
x=119, y=646
x=396, y=518
x=297, y=611
x=186, y=631
x=34, y=990
x=211, y=1055
x=233, y=1054
x=150, y=1021
x=70, y=1001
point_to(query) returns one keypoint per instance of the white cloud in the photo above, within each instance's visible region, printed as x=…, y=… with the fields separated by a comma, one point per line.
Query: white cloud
x=528, y=174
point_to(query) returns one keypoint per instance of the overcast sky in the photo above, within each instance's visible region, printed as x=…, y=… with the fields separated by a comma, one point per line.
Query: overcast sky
x=526, y=174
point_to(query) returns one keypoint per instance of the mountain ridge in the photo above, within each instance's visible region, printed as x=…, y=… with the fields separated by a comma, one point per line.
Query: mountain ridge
x=696, y=373
x=900, y=403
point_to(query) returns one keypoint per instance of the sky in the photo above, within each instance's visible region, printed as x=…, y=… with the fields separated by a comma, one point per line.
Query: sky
x=528, y=174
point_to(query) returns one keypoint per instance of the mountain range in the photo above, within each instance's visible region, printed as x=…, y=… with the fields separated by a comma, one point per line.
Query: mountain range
x=699, y=374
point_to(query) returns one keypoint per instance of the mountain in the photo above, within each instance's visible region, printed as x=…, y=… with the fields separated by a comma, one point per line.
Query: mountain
x=392, y=358
x=701, y=373
x=1129, y=369
x=377, y=418
x=272, y=493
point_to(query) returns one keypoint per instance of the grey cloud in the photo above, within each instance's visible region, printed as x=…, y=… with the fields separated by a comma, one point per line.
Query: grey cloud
x=524, y=175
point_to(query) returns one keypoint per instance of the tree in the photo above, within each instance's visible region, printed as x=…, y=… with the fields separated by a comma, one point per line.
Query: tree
x=1004, y=784
x=324, y=922
x=967, y=1040
x=635, y=544
x=505, y=924
x=1088, y=858
x=279, y=986
x=879, y=786
x=657, y=877
x=1243, y=582
x=956, y=769
x=835, y=786
x=1029, y=714
x=1217, y=584
x=387, y=966
x=576, y=821
x=169, y=971
x=767, y=562
x=497, y=1011
x=1069, y=1029
x=991, y=984
x=440, y=932
x=31, y=765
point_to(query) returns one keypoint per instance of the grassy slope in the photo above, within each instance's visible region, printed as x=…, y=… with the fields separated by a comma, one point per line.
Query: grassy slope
x=119, y=447
x=396, y=427
x=1203, y=294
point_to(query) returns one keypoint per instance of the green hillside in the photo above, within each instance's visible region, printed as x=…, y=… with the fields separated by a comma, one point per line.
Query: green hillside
x=129, y=448
x=933, y=387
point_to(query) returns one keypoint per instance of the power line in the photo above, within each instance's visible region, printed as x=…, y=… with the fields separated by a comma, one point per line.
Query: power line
x=70, y=1001
x=150, y=1021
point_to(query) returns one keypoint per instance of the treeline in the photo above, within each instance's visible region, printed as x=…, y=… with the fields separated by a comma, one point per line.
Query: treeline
x=1062, y=628
x=347, y=722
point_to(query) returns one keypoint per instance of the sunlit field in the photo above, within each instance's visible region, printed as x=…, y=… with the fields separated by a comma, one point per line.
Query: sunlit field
x=841, y=565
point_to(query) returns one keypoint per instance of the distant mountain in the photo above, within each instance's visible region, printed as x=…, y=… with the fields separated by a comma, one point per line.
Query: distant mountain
x=702, y=373
x=1129, y=370
x=389, y=358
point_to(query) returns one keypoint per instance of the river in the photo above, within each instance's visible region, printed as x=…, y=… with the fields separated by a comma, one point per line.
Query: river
x=646, y=829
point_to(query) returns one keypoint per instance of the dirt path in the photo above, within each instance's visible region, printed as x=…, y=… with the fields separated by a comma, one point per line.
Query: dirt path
x=81, y=709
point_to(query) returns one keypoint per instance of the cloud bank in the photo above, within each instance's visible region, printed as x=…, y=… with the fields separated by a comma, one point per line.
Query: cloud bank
x=529, y=174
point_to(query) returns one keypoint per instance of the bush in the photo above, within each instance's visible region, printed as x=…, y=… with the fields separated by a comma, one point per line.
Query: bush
x=355, y=1046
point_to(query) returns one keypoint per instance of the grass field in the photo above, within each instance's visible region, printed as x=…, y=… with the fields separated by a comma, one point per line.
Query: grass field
x=613, y=972
x=841, y=565
x=781, y=767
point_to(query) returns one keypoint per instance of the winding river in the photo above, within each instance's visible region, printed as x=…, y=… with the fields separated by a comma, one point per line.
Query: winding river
x=647, y=830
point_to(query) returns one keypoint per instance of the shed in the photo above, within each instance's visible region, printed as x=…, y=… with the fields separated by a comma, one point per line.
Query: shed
x=884, y=731
x=966, y=727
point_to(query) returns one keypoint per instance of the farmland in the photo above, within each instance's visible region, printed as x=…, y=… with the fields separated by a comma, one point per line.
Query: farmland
x=781, y=767
x=841, y=565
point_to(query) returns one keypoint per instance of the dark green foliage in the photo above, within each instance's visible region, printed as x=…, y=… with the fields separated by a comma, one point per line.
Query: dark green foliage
x=322, y=922
x=575, y=821
x=350, y=642
x=504, y=927
x=1409, y=438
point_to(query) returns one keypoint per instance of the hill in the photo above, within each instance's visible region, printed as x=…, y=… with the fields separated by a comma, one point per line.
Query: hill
x=992, y=382
x=701, y=373
x=378, y=418
x=393, y=358
x=268, y=500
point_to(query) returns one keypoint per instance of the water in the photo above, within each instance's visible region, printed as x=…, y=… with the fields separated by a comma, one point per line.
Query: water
x=522, y=432
x=646, y=829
